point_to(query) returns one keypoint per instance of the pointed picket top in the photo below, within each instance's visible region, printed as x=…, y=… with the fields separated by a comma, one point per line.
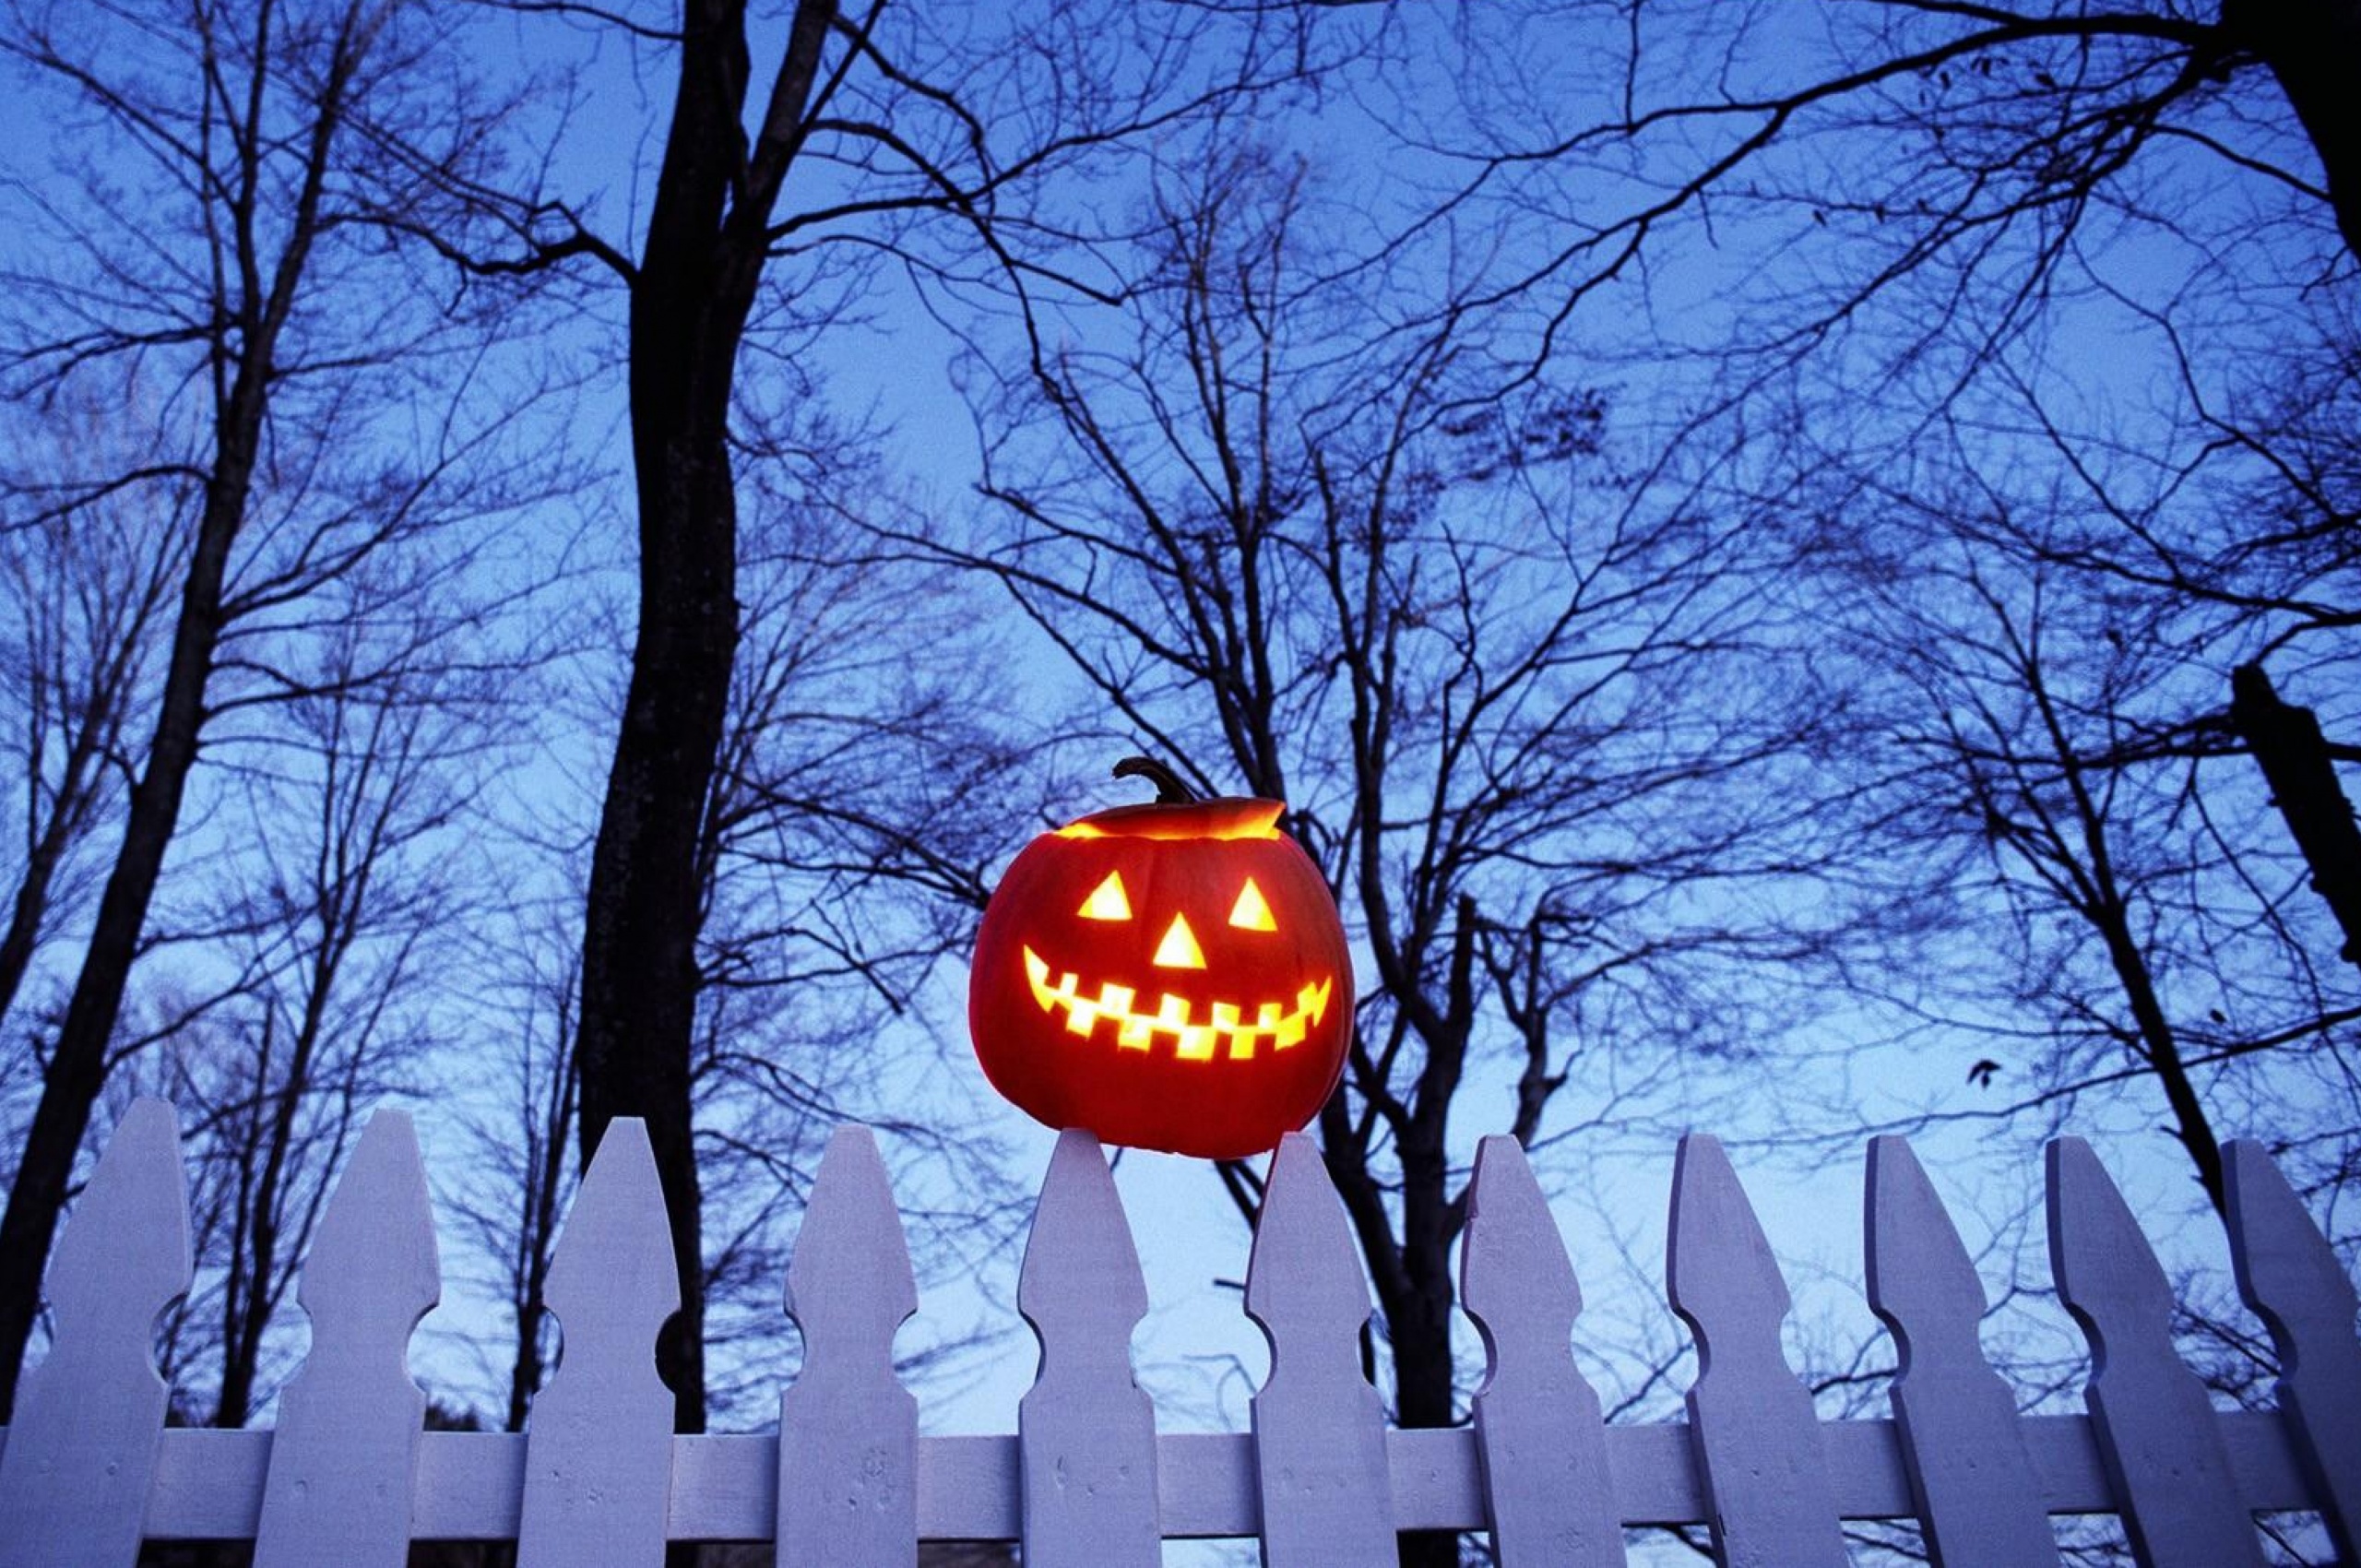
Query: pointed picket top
x=74, y=1476
x=1719, y=1267
x=849, y=1287
x=1303, y=1268
x=348, y=1424
x=1086, y=1432
x=848, y=1449
x=1962, y=1444
x=1319, y=1429
x=2287, y=1272
x=2162, y=1450
x=1752, y=1424
x=598, y=1452
x=1547, y=1486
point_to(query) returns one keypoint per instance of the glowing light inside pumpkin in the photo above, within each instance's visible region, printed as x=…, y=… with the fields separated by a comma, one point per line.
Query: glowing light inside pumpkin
x=1253, y=912
x=1208, y=821
x=1174, y=1017
x=1107, y=901
x=1179, y=950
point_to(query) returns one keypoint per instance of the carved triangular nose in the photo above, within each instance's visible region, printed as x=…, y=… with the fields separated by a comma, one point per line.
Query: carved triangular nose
x=1179, y=950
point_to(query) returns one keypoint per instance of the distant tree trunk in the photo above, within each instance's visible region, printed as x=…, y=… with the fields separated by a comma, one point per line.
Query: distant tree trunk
x=77, y=1069
x=691, y=296
x=30, y=906
x=2293, y=756
x=2160, y=1047
x=537, y=1244
x=264, y=1255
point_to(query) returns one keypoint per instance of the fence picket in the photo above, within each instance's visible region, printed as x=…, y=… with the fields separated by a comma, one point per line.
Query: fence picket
x=346, y=1450
x=1319, y=1430
x=2288, y=1275
x=1546, y=1485
x=1961, y=1442
x=1756, y=1439
x=2164, y=1454
x=598, y=1452
x=1086, y=1432
x=74, y=1477
x=847, y=1430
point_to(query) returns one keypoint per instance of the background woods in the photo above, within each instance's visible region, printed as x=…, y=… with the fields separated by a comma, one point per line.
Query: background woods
x=552, y=553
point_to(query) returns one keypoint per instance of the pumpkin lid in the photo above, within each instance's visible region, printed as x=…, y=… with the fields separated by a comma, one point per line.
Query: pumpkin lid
x=1235, y=816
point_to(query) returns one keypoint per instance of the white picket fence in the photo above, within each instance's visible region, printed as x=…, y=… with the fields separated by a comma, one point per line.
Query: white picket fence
x=350, y=1478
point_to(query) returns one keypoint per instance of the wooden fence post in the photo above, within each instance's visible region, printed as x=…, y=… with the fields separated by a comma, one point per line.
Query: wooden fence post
x=74, y=1478
x=2290, y=1277
x=1769, y=1501
x=1085, y=1434
x=346, y=1450
x=1546, y=1484
x=1320, y=1454
x=1961, y=1442
x=847, y=1430
x=2156, y=1432
x=598, y=1452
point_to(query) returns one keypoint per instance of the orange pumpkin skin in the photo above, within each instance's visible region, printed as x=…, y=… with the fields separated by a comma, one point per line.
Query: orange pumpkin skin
x=1129, y=982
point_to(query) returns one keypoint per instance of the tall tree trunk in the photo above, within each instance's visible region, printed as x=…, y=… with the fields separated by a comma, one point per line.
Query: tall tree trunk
x=77, y=1069
x=690, y=297
x=255, y=310
x=2293, y=757
x=72, y=802
x=2311, y=47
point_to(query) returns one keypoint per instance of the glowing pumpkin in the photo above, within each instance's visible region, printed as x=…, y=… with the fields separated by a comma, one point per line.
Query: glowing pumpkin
x=1169, y=976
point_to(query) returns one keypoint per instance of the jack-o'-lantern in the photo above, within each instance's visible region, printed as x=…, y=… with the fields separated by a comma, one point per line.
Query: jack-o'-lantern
x=1168, y=976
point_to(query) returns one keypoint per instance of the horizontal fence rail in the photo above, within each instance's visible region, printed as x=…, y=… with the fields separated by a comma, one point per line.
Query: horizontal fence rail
x=88, y=1472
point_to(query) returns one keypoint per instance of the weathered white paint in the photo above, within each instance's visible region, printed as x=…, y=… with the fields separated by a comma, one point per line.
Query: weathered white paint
x=2288, y=1275
x=1546, y=1480
x=848, y=1431
x=2155, y=1423
x=1319, y=1430
x=350, y=1422
x=1750, y=1417
x=566, y=1495
x=74, y=1477
x=1961, y=1439
x=598, y=1452
x=1086, y=1432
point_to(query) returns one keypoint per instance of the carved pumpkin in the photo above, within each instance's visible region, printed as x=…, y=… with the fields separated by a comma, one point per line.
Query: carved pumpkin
x=1169, y=976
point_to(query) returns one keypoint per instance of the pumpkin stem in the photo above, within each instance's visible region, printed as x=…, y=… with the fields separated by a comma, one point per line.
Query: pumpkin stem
x=1170, y=789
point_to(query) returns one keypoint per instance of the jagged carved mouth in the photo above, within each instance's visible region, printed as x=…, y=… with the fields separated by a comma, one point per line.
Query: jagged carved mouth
x=1227, y=1024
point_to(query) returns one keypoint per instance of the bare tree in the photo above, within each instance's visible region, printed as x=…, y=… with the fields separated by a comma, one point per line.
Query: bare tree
x=883, y=133
x=2056, y=765
x=1975, y=145
x=351, y=910
x=1998, y=298
x=228, y=236
x=1523, y=711
x=861, y=790
x=520, y=1180
x=88, y=587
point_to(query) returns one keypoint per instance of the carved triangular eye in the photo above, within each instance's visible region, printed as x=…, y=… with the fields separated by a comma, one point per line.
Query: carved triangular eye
x=1107, y=901
x=1253, y=912
x=1179, y=950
